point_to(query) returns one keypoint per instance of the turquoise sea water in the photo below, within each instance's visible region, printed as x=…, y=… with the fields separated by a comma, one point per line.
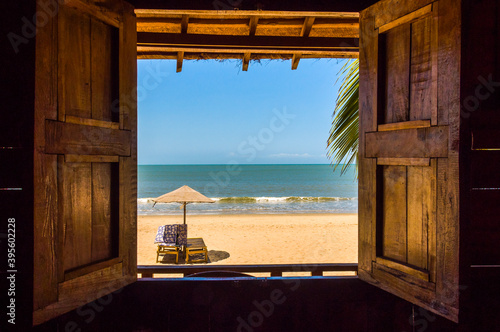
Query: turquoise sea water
x=247, y=189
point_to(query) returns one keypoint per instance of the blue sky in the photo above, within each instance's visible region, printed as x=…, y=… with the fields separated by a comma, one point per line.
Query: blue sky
x=214, y=113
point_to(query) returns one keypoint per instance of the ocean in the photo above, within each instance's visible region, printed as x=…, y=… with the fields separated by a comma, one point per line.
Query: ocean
x=250, y=189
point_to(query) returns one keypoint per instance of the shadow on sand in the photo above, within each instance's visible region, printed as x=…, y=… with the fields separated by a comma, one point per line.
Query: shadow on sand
x=213, y=256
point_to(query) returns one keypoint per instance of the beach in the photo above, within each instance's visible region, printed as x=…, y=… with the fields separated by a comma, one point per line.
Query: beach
x=259, y=238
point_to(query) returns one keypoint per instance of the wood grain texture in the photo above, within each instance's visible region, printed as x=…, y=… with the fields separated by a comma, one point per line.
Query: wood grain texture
x=394, y=213
x=68, y=138
x=75, y=204
x=180, y=59
x=89, y=269
x=92, y=122
x=128, y=71
x=419, y=209
x=387, y=270
x=417, y=14
x=74, y=210
x=74, y=68
x=404, y=125
x=397, y=69
x=252, y=25
x=448, y=229
x=271, y=14
x=323, y=26
x=403, y=161
x=77, y=292
x=432, y=218
x=421, y=70
x=128, y=165
x=433, y=191
x=78, y=158
x=367, y=181
x=415, y=272
x=434, y=62
x=102, y=212
x=306, y=28
x=245, y=61
x=103, y=75
x=295, y=61
x=410, y=143
x=45, y=223
x=107, y=11
x=391, y=10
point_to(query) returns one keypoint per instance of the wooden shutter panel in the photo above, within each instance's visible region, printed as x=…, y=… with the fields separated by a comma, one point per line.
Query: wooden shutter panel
x=85, y=155
x=408, y=164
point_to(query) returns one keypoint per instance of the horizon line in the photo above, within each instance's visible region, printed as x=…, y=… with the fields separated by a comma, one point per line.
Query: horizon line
x=232, y=164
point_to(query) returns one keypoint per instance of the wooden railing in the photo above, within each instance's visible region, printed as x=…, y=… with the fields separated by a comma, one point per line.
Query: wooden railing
x=280, y=270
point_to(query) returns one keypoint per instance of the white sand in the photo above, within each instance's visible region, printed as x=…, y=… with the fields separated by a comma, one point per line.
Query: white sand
x=261, y=239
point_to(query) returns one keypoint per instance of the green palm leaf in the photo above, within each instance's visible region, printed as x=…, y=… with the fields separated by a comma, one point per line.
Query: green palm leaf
x=343, y=142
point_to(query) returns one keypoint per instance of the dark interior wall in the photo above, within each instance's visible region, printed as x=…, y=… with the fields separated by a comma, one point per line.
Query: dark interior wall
x=17, y=63
x=292, y=5
x=480, y=114
x=343, y=304
x=480, y=176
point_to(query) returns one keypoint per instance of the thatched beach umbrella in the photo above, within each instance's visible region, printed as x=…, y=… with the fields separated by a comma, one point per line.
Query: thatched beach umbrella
x=183, y=195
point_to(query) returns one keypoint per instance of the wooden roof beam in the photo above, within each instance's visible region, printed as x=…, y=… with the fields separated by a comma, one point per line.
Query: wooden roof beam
x=161, y=53
x=219, y=14
x=246, y=60
x=243, y=44
x=306, y=28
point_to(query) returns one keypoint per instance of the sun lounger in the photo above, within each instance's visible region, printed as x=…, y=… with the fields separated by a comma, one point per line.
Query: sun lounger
x=167, y=240
x=196, y=246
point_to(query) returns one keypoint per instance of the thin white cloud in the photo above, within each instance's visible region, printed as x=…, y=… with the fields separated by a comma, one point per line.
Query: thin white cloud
x=290, y=155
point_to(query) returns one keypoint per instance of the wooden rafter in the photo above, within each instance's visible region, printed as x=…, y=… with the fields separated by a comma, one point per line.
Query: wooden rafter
x=295, y=60
x=306, y=28
x=180, y=58
x=246, y=61
x=254, y=20
x=184, y=23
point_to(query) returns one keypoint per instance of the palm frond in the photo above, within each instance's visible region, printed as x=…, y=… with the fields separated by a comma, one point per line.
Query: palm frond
x=343, y=142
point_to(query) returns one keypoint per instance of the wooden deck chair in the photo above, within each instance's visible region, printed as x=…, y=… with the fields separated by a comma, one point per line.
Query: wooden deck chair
x=166, y=239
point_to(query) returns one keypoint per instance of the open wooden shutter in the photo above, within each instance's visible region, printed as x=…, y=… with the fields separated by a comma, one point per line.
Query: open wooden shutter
x=85, y=154
x=408, y=154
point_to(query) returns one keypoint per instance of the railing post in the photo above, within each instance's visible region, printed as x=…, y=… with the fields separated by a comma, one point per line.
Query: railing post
x=317, y=273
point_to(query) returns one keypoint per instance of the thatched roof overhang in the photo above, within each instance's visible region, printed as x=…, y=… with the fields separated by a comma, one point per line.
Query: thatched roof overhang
x=245, y=35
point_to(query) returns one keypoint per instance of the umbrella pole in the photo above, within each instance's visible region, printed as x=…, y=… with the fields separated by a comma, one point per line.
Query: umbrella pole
x=185, y=213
